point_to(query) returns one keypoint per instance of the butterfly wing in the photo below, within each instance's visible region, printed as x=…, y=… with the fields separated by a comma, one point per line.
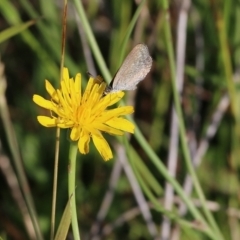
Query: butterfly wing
x=133, y=70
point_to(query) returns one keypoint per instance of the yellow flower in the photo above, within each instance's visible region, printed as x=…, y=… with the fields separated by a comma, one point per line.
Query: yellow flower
x=86, y=114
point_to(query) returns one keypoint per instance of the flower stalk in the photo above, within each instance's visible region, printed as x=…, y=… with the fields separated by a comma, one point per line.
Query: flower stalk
x=71, y=189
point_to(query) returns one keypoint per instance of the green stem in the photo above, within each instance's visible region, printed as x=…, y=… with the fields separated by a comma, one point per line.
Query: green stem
x=18, y=162
x=226, y=60
x=154, y=158
x=58, y=129
x=182, y=130
x=160, y=166
x=71, y=189
x=92, y=40
x=55, y=178
x=130, y=30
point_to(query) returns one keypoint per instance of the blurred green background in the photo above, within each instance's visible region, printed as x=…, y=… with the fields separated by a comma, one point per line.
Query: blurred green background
x=211, y=71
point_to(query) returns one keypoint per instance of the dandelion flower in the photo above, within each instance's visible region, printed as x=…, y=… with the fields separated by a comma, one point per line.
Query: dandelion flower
x=85, y=114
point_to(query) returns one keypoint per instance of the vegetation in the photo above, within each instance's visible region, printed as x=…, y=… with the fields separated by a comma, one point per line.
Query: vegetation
x=177, y=176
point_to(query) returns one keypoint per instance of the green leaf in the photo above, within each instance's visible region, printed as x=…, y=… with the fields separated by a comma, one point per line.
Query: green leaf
x=64, y=223
x=12, y=31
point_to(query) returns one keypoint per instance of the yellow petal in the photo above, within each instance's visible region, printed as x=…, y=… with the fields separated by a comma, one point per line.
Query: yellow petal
x=65, y=74
x=103, y=102
x=63, y=102
x=109, y=129
x=67, y=124
x=77, y=84
x=87, y=90
x=83, y=142
x=42, y=102
x=108, y=114
x=112, y=98
x=122, y=124
x=65, y=92
x=46, y=121
x=94, y=96
x=75, y=133
x=51, y=91
x=76, y=89
x=123, y=110
x=102, y=146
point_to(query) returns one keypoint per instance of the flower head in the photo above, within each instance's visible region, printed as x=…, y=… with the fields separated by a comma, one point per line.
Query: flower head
x=85, y=114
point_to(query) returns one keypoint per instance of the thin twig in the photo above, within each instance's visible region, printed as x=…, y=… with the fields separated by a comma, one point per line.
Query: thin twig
x=204, y=143
x=107, y=200
x=85, y=46
x=13, y=184
x=15, y=151
x=142, y=203
x=174, y=132
x=134, y=212
x=123, y=163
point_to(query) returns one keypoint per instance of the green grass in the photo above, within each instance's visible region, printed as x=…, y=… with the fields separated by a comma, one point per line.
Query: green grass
x=109, y=30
